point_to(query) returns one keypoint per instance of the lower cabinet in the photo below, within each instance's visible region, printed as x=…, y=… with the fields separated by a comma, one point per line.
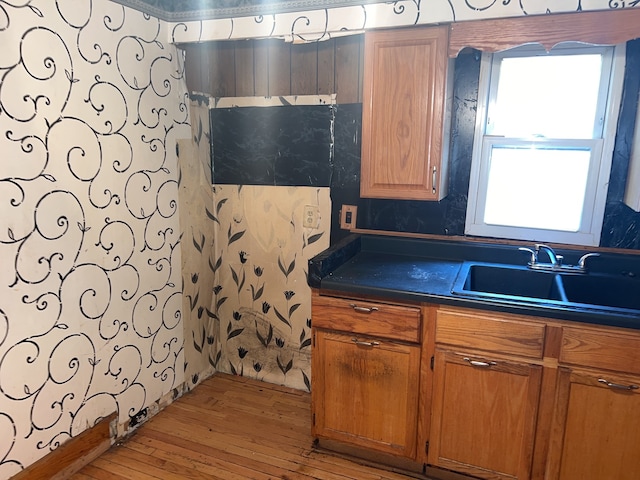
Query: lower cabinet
x=485, y=394
x=484, y=415
x=596, y=427
x=365, y=391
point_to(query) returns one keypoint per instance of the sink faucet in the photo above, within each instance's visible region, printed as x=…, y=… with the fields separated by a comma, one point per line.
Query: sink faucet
x=555, y=260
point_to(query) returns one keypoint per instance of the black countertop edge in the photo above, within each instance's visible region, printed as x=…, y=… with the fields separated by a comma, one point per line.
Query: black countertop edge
x=327, y=261
x=324, y=264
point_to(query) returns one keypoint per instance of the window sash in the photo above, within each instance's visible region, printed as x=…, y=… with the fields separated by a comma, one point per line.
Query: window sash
x=599, y=173
x=543, y=180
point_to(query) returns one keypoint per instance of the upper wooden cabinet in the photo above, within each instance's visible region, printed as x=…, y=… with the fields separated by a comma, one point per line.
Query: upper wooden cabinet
x=404, y=128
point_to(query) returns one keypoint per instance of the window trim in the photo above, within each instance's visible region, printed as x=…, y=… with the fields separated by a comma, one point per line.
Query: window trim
x=591, y=228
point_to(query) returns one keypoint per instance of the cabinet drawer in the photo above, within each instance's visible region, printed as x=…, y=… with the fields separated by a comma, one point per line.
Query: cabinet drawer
x=398, y=322
x=608, y=349
x=493, y=332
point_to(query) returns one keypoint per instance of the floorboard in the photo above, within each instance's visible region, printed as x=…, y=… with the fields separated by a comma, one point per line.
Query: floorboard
x=229, y=428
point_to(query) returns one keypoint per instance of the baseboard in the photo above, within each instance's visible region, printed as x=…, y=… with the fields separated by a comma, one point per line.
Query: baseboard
x=72, y=455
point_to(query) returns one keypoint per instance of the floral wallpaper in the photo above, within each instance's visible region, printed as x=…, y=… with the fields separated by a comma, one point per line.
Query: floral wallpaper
x=195, y=198
x=262, y=302
x=92, y=103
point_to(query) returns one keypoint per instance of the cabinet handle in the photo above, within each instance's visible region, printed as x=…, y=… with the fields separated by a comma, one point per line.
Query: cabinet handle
x=365, y=344
x=363, y=309
x=433, y=179
x=477, y=363
x=618, y=386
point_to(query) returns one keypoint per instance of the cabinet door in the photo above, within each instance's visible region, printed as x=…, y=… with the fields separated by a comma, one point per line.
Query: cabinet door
x=365, y=392
x=596, y=427
x=403, y=114
x=484, y=415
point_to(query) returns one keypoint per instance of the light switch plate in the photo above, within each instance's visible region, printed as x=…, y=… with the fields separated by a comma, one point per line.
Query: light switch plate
x=348, y=217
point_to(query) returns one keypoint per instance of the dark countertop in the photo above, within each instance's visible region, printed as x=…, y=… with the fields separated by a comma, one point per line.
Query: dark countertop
x=419, y=270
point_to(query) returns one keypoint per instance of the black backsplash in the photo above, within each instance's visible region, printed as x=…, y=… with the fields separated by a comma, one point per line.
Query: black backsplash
x=291, y=145
x=281, y=145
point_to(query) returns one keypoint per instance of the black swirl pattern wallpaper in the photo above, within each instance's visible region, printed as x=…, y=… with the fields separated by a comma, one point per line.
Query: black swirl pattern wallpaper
x=92, y=102
x=127, y=277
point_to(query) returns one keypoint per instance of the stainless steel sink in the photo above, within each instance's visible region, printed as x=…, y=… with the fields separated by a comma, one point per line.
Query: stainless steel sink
x=520, y=284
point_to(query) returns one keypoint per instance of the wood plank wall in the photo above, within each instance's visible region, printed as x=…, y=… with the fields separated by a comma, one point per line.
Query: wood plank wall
x=271, y=67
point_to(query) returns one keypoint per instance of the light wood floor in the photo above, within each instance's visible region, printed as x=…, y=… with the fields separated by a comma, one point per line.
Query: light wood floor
x=229, y=428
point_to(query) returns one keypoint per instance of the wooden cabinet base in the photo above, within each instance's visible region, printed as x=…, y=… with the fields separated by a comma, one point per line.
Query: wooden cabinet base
x=377, y=459
x=388, y=462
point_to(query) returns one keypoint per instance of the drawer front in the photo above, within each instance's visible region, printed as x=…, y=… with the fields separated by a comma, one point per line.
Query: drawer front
x=492, y=332
x=608, y=349
x=399, y=322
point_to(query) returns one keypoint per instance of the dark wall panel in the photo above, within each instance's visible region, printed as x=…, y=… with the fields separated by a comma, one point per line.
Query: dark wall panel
x=283, y=145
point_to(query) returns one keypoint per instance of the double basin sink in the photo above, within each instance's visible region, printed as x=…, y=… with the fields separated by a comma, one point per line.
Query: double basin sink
x=493, y=281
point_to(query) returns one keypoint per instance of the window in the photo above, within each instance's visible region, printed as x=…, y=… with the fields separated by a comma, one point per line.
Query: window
x=544, y=139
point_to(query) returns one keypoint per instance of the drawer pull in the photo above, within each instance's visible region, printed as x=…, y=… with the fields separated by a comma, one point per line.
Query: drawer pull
x=618, y=386
x=477, y=363
x=363, y=309
x=365, y=344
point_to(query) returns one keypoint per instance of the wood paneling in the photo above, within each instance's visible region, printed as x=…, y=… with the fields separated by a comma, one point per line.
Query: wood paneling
x=261, y=68
x=279, y=55
x=219, y=62
x=271, y=67
x=244, y=74
x=304, y=69
x=348, y=66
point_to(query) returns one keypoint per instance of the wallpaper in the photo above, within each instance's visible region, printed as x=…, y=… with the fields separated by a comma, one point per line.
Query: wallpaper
x=261, y=298
x=92, y=102
x=195, y=198
x=316, y=20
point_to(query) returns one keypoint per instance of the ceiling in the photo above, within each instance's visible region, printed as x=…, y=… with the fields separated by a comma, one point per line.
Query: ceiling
x=186, y=10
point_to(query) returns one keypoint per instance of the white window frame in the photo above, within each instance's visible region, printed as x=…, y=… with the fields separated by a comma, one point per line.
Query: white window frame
x=601, y=147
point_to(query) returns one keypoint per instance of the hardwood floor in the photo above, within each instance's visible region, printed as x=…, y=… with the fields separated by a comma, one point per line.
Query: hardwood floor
x=229, y=428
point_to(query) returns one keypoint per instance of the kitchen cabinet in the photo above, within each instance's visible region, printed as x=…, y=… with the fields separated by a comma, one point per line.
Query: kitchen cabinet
x=481, y=393
x=485, y=394
x=596, y=424
x=404, y=114
x=365, y=386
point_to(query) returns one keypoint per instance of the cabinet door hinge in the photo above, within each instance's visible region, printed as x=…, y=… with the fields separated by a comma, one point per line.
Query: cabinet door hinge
x=432, y=361
x=313, y=339
x=313, y=419
x=426, y=447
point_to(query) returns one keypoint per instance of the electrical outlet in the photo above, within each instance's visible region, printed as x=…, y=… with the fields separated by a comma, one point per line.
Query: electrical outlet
x=348, y=217
x=311, y=216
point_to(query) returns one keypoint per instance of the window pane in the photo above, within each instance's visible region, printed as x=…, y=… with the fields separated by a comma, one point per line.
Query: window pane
x=554, y=96
x=541, y=188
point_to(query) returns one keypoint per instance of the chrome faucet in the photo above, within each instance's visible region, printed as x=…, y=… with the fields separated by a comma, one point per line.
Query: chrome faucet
x=555, y=261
